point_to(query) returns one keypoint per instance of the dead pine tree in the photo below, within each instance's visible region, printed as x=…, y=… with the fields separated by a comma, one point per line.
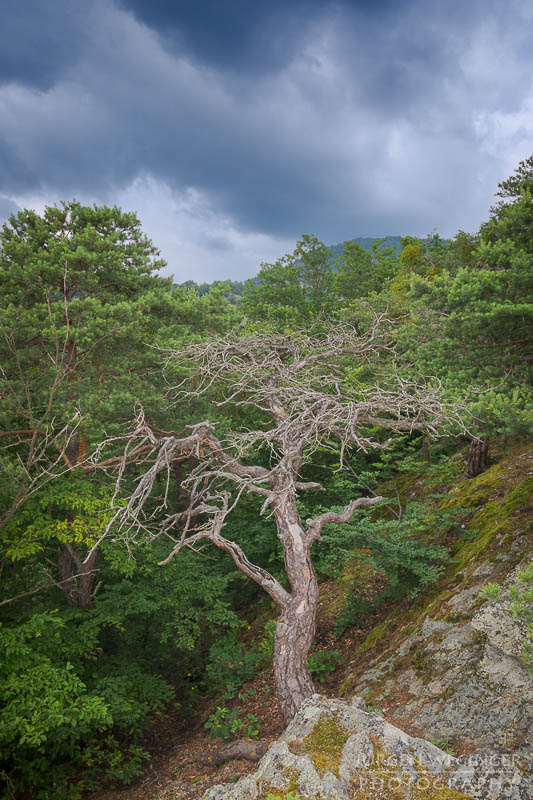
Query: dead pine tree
x=298, y=387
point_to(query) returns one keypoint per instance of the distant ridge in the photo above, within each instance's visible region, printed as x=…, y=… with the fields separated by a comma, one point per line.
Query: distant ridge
x=366, y=243
x=237, y=287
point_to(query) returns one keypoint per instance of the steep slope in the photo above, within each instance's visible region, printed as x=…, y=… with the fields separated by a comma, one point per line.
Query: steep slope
x=455, y=672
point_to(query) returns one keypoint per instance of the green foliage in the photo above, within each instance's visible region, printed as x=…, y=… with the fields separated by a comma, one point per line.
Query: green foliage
x=54, y=711
x=409, y=563
x=363, y=272
x=227, y=725
x=323, y=663
x=371, y=708
x=265, y=647
x=294, y=290
x=81, y=685
x=491, y=592
x=82, y=315
x=401, y=550
x=229, y=665
x=357, y=606
x=444, y=745
x=314, y=283
x=471, y=322
x=514, y=187
x=69, y=510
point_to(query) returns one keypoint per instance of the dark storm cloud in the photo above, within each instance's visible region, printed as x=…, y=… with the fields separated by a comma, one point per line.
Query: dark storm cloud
x=231, y=34
x=40, y=40
x=338, y=118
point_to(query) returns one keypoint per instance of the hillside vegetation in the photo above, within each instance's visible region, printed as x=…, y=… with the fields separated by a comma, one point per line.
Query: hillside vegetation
x=136, y=612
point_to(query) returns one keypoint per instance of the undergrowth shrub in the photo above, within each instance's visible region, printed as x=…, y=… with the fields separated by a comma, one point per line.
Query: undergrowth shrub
x=356, y=607
x=404, y=551
x=323, y=663
x=229, y=665
x=225, y=724
x=88, y=730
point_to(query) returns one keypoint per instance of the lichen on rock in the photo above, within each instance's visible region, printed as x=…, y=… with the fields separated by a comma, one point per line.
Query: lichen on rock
x=334, y=750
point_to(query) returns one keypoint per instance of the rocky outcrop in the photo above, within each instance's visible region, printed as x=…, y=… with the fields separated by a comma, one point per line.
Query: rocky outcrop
x=463, y=680
x=335, y=750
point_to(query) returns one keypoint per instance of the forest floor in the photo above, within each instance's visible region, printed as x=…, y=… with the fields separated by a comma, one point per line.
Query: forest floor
x=179, y=750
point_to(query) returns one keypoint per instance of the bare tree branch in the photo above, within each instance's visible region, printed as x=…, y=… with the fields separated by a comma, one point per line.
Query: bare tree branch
x=314, y=526
x=44, y=586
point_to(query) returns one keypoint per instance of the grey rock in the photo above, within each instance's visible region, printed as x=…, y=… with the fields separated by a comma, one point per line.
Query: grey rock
x=431, y=626
x=502, y=631
x=358, y=702
x=490, y=775
x=474, y=687
x=407, y=760
x=463, y=601
x=483, y=570
x=245, y=789
x=358, y=753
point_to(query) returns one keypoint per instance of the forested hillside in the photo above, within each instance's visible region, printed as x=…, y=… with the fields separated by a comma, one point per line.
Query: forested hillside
x=235, y=289
x=191, y=479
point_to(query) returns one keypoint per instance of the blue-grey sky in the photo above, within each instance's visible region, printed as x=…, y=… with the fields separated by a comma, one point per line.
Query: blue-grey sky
x=234, y=126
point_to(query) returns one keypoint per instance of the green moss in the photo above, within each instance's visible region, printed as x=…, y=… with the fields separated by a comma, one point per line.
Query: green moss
x=291, y=793
x=375, y=694
x=472, y=492
x=324, y=744
x=375, y=635
x=496, y=517
x=422, y=664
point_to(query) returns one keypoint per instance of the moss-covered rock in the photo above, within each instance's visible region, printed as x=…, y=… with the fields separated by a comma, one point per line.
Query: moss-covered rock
x=333, y=750
x=324, y=744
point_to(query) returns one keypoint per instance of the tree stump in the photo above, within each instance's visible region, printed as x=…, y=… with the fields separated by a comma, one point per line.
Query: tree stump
x=478, y=457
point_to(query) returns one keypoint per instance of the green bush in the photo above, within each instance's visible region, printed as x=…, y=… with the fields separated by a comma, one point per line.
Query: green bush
x=53, y=715
x=229, y=665
x=225, y=724
x=401, y=550
x=323, y=663
x=355, y=609
x=265, y=647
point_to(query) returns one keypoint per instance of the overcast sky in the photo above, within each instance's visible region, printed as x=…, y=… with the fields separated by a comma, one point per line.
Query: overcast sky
x=234, y=126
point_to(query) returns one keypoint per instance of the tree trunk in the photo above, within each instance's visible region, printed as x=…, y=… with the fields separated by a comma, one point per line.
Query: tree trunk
x=77, y=588
x=293, y=638
x=295, y=629
x=66, y=572
x=478, y=457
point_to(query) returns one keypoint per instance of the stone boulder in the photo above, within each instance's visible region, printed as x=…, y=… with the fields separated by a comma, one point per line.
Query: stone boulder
x=335, y=750
x=461, y=680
